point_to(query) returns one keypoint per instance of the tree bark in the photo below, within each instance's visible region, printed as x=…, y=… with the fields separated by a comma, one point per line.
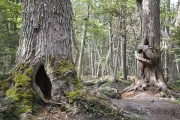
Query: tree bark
x=148, y=52
x=45, y=49
x=123, y=50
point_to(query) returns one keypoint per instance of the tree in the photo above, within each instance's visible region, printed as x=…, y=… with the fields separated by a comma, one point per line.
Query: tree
x=44, y=59
x=10, y=17
x=148, y=52
x=83, y=44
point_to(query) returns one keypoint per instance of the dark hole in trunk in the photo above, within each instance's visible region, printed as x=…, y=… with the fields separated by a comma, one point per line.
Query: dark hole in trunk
x=43, y=81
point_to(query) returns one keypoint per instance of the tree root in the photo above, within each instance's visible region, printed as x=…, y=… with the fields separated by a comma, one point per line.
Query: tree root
x=150, y=74
x=138, y=85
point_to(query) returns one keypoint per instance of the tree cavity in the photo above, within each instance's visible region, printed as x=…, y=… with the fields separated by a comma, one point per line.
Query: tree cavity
x=43, y=81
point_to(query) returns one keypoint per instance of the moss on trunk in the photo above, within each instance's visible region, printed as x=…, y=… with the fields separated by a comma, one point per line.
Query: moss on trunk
x=22, y=93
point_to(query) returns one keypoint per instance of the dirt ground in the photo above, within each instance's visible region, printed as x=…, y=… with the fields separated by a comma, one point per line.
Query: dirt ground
x=146, y=105
x=150, y=105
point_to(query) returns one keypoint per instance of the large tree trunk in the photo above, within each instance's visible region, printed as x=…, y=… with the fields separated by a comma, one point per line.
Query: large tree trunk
x=44, y=54
x=148, y=52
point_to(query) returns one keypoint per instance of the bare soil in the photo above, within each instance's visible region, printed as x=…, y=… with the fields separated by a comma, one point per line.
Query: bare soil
x=150, y=105
x=144, y=105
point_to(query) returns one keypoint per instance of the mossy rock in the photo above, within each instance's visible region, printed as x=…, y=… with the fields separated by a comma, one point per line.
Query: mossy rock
x=92, y=105
x=97, y=108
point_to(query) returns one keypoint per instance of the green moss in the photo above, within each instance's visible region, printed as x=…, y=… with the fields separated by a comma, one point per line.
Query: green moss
x=91, y=105
x=110, y=93
x=28, y=72
x=22, y=92
x=96, y=108
x=22, y=67
x=76, y=82
x=3, y=85
x=21, y=79
x=72, y=96
x=63, y=66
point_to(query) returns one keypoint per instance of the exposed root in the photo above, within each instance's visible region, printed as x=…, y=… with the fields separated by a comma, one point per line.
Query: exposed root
x=137, y=85
x=150, y=74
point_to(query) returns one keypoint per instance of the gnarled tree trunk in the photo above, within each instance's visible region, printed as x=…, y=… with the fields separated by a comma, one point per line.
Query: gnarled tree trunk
x=148, y=52
x=44, y=54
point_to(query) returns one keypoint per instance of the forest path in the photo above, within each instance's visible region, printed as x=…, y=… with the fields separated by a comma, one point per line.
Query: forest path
x=149, y=105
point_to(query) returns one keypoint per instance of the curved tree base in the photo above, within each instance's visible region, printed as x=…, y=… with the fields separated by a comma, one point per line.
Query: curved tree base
x=150, y=74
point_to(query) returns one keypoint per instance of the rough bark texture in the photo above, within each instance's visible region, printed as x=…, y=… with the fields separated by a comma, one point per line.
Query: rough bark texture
x=147, y=53
x=45, y=47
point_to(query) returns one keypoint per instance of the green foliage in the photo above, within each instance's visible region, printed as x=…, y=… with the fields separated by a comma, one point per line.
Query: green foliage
x=10, y=19
x=36, y=107
x=167, y=11
x=8, y=114
x=3, y=81
x=176, y=86
x=176, y=41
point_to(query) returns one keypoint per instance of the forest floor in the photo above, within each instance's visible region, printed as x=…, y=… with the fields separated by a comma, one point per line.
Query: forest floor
x=146, y=105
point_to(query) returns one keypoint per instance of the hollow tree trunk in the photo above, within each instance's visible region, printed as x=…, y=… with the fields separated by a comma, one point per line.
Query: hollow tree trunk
x=148, y=52
x=44, y=53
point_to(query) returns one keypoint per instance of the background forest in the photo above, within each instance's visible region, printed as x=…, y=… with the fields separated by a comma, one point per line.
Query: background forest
x=104, y=37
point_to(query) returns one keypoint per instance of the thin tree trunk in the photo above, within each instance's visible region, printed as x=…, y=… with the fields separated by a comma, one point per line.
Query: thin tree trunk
x=110, y=48
x=82, y=45
x=123, y=50
x=74, y=42
x=116, y=61
x=82, y=51
x=91, y=56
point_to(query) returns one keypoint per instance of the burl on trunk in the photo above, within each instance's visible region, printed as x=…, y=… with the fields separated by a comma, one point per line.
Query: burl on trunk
x=148, y=52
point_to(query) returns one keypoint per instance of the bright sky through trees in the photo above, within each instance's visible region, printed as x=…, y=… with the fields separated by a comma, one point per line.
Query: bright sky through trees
x=174, y=1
